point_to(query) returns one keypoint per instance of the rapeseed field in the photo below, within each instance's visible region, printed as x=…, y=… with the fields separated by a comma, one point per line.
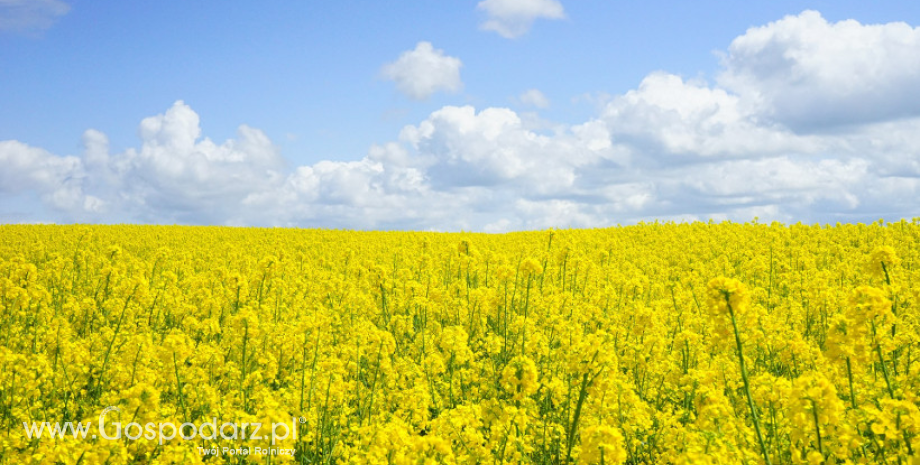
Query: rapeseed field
x=657, y=343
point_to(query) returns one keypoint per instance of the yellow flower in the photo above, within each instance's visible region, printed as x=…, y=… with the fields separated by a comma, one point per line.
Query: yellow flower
x=727, y=292
x=870, y=303
x=530, y=267
x=882, y=262
x=519, y=377
x=815, y=458
x=602, y=444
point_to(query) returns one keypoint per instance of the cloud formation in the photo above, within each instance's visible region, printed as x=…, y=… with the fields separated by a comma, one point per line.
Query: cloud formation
x=513, y=18
x=673, y=119
x=57, y=180
x=670, y=149
x=30, y=16
x=421, y=72
x=811, y=75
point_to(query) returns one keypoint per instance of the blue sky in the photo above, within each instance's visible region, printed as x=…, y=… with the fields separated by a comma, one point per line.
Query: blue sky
x=494, y=115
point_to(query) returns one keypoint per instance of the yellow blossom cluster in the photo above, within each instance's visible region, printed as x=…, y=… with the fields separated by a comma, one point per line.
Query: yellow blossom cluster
x=656, y=343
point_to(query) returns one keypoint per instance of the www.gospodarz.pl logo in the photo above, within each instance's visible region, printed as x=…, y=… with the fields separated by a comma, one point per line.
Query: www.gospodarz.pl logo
x=164, y=431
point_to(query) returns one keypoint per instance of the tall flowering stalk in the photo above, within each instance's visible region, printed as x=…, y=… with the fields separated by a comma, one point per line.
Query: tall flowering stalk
x=729, y=297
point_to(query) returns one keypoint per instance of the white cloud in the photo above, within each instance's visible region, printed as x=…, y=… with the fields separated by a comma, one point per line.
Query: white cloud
x=30, y=16
x=176, y=170
x=500, y=226
x=459, y=147
x=175, y=175
x=513, y=18
x=668, y=115
x=781, y=180
x=551, y=213
x=809, y=74
x=96, y=148
x=57, y=180
x=535, y=98
x=421, y=72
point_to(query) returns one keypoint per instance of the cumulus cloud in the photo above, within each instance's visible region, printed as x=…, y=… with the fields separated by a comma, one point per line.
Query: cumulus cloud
x=421, y=72
x=175, y=170
x=30, y=16
x=513, y=18
x=670, y=149
x=458, y=147
x=809, y=74
x=174, y=176
x=57, y=180
x=666, y=115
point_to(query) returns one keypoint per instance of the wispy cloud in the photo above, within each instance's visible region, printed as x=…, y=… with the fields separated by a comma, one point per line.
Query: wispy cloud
x=30, y=16
x=534, y=98
x=513, y=18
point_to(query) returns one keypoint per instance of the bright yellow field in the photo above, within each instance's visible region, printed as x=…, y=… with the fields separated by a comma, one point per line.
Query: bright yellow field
x=665, y=343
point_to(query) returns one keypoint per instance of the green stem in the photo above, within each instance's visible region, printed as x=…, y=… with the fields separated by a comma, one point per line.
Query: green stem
x=526, y=307
x=108, y=352
x=814, y=414
x=747, y=387
x=850, y=379
x=179, y=388
x=881, y=361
